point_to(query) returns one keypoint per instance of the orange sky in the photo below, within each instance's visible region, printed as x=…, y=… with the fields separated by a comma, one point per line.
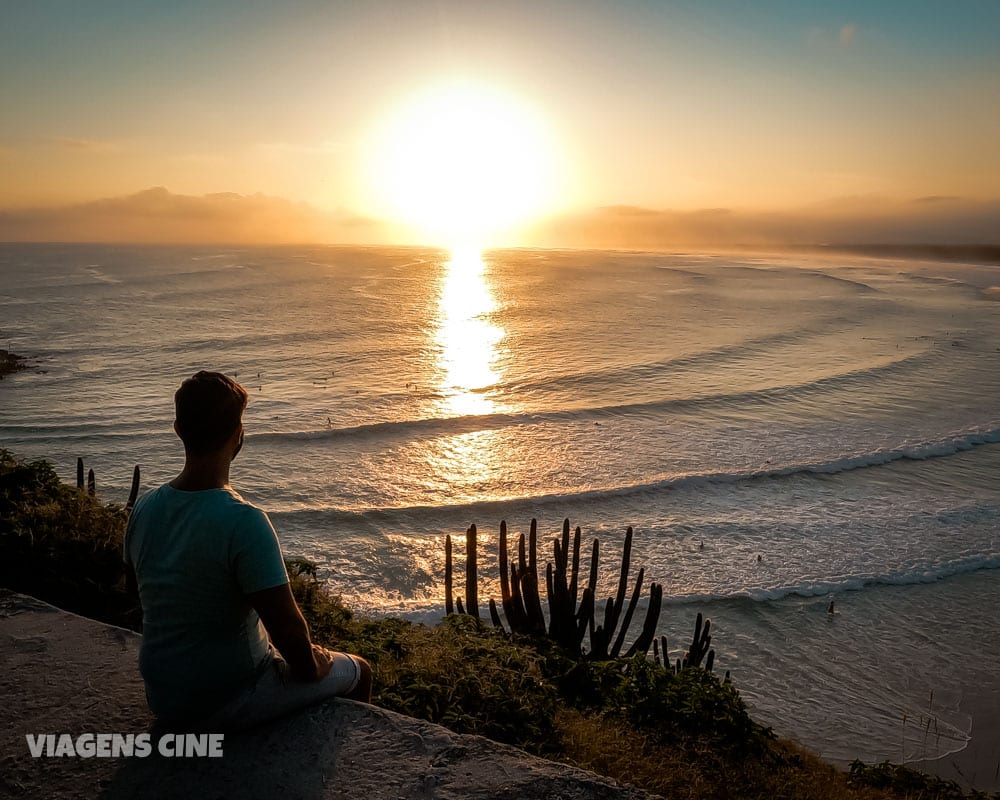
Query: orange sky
x=800, y=119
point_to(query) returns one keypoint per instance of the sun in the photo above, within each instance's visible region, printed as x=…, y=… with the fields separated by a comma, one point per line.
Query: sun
x=463, y=164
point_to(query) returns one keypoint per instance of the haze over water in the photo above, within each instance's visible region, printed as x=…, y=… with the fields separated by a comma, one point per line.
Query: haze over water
x=836, y=416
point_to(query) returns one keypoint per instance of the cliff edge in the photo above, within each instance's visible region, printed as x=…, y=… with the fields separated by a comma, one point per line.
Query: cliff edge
x=64, y=674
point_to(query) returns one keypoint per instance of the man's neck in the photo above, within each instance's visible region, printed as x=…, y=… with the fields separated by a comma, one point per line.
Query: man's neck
x=204, y=472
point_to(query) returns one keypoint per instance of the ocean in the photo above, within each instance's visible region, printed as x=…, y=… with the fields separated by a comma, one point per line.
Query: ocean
x=781, y=431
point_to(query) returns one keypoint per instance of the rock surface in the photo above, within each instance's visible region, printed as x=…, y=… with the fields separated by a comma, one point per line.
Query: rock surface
x=61, y=673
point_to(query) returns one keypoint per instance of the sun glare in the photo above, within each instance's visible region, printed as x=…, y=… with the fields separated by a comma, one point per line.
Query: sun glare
x=467, y=338
x=463, y=164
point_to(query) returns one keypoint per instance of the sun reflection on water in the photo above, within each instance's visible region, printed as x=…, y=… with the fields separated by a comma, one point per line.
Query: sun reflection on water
x=466, y=336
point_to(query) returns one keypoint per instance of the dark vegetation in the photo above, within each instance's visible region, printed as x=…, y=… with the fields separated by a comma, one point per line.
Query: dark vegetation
x=675, y=730
x=59, y=543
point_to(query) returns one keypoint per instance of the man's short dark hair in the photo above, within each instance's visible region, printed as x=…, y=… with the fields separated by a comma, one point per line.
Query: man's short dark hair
x=209, y=407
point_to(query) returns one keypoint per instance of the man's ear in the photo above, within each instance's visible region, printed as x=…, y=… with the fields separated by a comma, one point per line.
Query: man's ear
x=177, y=430
x=239, y=441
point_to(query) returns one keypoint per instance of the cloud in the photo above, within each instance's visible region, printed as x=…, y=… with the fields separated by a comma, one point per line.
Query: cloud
x=158, y=215
x=842, y=221
x=848, y=33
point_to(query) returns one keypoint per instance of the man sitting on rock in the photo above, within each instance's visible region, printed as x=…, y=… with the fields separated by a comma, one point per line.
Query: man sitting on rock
x=214, y=590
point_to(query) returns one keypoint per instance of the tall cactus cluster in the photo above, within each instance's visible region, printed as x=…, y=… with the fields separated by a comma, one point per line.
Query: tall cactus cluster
x=92, y=484
x=574, y=613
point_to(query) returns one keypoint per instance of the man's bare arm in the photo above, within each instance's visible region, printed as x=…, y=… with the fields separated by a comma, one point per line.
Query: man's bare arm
x=289, y=632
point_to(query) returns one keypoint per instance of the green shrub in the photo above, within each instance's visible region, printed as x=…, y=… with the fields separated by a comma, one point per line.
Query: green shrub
x=693, y=704
x=461, y=673
x=61, y=544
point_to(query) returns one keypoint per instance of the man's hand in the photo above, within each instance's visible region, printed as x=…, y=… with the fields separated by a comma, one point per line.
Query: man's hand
x=316, y=670
x=324, y=661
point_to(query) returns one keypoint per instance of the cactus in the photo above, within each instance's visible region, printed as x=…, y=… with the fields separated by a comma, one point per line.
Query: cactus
x=562, y=605
x=505, y=598
x=572, y=612
x=495, y=616
x=641, y=645
x=616, y=609
x=449, y=605
x=574, y=580
x=699, y=643
x=532, y=602
x=134, y=492
x=533, y=546
x=91, y=483
x=663, y=649
x=471, y=572
x=585, y=616
x=519, y=621
x=628, y=614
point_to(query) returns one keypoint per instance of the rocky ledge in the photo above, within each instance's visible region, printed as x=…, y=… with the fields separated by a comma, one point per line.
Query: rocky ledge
x=64, y=674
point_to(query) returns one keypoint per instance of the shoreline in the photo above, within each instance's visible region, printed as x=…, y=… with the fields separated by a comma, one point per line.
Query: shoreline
x=977, y=765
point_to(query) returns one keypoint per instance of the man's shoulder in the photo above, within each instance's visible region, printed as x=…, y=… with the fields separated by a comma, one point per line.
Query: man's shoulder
x=234, y=497
x=224, y=503
x=236, y=504
x=245, y=515
x=150, y=498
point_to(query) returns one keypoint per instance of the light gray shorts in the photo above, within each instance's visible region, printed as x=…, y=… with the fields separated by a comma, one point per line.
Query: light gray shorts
x=276, y=694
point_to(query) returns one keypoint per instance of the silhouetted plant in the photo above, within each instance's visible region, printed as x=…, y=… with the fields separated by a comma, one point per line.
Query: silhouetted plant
x=573, y=613
x=134, y=491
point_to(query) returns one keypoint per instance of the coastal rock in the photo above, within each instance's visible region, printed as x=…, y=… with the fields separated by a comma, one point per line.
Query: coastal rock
x=10, y=362
x=61, y=673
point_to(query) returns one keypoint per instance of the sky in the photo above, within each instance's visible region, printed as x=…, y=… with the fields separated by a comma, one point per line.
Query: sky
x=286, y=120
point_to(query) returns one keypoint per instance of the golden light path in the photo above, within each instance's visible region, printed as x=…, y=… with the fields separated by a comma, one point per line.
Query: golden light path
x=466, y=337
x=466, y=465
